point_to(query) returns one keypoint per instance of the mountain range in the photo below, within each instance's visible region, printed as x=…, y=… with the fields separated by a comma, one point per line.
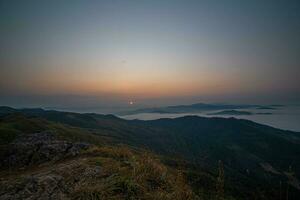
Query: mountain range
x=195, y=108
x=260, y=162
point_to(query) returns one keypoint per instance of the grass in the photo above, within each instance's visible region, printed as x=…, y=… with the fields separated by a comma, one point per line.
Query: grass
x=113, y=172
x=127, y=174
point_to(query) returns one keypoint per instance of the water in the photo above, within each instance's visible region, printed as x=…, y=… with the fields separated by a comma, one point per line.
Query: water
x=287, y=117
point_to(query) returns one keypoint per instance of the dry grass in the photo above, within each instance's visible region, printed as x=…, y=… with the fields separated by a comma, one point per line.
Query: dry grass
x=130, y=175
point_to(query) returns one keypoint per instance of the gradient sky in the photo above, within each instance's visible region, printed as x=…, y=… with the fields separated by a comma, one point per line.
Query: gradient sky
x=88, y=52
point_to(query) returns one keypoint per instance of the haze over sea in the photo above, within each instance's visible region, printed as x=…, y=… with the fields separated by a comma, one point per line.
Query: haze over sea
x=286, y=117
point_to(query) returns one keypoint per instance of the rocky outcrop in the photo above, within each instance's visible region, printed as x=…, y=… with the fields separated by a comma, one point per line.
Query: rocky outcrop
x=50, y=182
x=38, y=148
x=42, y=176
x=100, y=172
x=42, y=186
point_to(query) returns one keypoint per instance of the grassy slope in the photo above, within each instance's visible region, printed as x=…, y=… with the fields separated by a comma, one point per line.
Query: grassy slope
x=105, y=173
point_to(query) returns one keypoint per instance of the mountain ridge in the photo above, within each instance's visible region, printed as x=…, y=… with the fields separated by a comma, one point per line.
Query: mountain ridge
x=251, y=152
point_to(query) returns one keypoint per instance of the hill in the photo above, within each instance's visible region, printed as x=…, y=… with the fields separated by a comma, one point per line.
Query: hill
x=257, y=159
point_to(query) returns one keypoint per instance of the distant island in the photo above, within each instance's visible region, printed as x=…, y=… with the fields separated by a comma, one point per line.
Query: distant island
x=267, y=107
x=231, y=112
x=200, y=107
x=276, y=105
x=264, y=113
x=193, y=108
x=238, y=112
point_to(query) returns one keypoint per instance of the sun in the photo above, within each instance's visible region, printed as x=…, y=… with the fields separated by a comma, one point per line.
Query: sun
x=131, y=102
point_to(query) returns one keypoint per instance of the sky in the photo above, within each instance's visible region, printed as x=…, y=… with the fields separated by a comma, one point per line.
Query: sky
x=92, y=53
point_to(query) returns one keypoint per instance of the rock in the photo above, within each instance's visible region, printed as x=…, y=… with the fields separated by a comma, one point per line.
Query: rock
x=41, y=186
x=39, y=148
x=51, y=183
x=91, y=172
x=43, y=177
